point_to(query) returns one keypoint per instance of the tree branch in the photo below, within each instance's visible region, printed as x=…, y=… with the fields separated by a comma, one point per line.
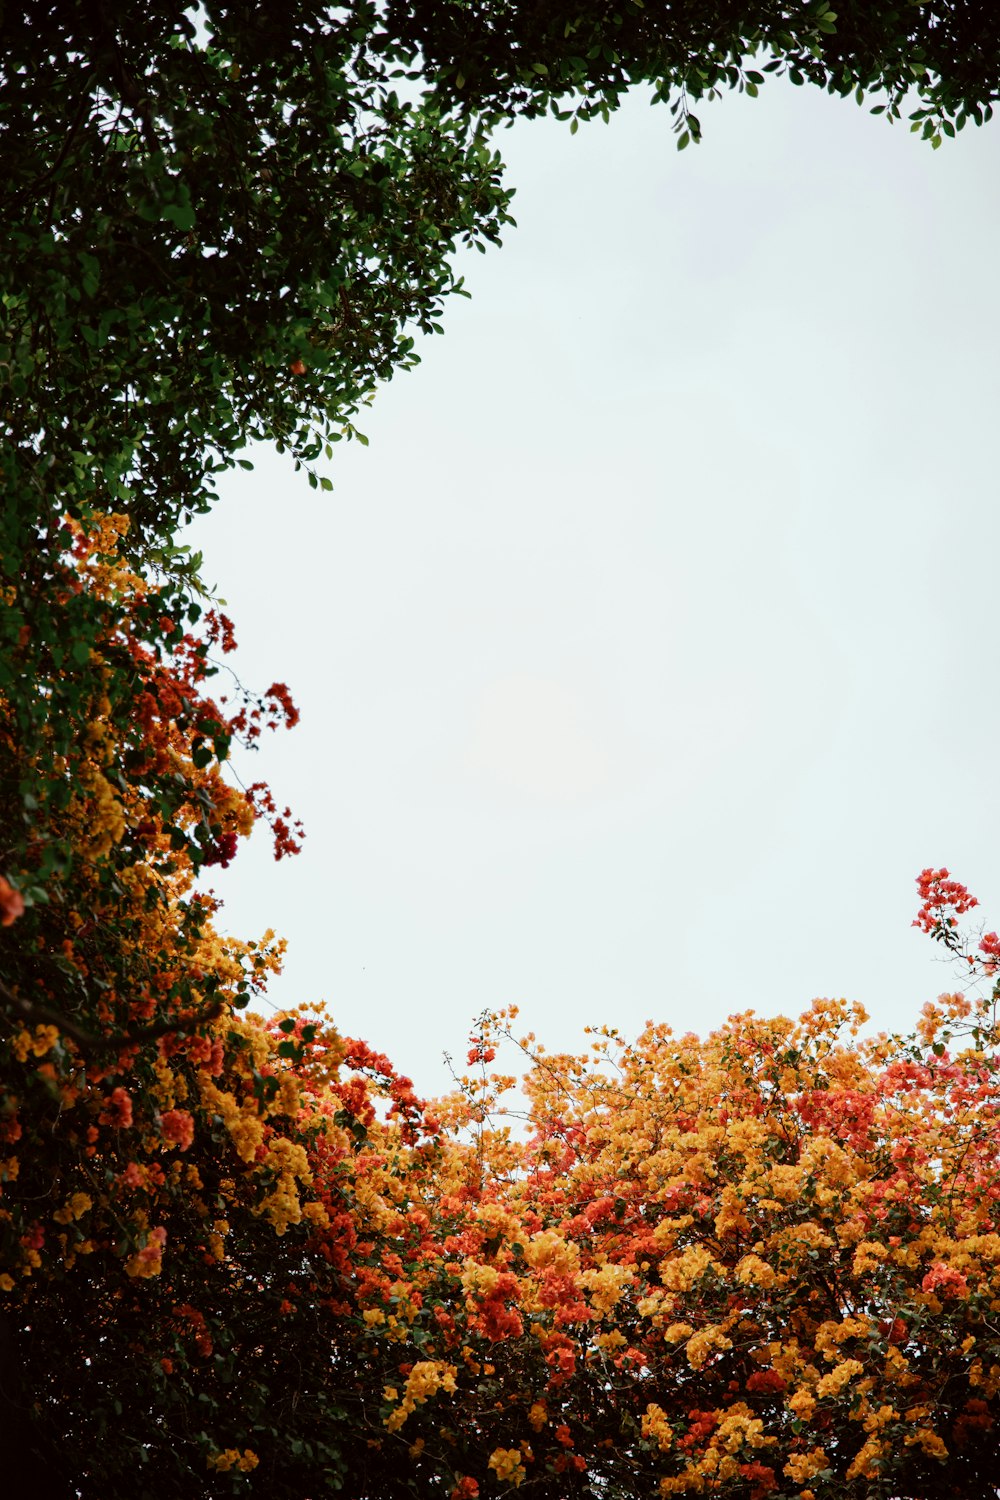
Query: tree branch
x=34, y=1011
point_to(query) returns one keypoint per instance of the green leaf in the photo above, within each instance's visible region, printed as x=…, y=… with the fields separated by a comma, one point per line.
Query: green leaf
x=179, y=214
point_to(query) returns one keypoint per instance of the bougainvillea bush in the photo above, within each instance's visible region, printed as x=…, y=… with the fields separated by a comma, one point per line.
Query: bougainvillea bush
x=237, y=1254
x=241, y=1256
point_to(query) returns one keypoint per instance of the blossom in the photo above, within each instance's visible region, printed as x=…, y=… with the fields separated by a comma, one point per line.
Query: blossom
x=177, y=1127
x=990, y=945
x=147, y=1261
x=656, y=1427
x=74, y=1208
x=11, y=903
x=538, y=1415
x=117, y=1110
x=939, y=893
x=231, y=1458
x=802, y=1466
x=700, y=1345
x=506, y=1464
x=43, y=1040
x=425, y=1379
x=841, y=1375
x=942, y=1278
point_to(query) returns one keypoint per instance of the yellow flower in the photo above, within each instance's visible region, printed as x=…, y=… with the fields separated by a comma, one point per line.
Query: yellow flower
x=866, y=1461
x=231, y=1458
x=606, y=1286
x=427, y=1377
x=74, y=1208
x=803, y=1404
x=833, y=1384
x=680, y=1274
x=506, y=1464
x=755, y=1272
x=802, y=1466
x=222, y=1462
x=656, y=1427
x=740, y=1428
x=538, y=1415
x=701, y=1344
x=929, y=1441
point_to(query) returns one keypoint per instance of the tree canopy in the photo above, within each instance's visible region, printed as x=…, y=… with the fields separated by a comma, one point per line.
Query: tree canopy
x=227, y=224
x=239, y=1253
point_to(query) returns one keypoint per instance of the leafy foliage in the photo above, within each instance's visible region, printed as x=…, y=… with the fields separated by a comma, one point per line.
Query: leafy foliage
x=240, y=1255
x=225, y=225
x=251, y=1260
x=515, y=59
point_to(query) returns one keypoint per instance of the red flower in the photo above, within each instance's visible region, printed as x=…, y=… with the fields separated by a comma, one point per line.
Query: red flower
x=766, y=1381
x=937, y=891
x=222, y=851
x=117, y=1110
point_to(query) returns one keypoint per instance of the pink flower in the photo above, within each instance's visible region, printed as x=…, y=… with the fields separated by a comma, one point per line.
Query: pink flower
x=990, y=945
x=937, y=892
x=942, y=1278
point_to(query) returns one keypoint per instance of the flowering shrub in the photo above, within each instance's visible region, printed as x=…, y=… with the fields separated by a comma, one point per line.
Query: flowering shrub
x=237, y=1254
x=763, y=1263
x=766, y=1263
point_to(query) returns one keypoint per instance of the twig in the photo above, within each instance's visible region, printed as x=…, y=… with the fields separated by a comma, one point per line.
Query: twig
x=88, y=1041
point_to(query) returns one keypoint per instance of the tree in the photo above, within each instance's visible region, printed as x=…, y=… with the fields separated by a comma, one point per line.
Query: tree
x=509, y=59
x=224, y=226
x=212, y=239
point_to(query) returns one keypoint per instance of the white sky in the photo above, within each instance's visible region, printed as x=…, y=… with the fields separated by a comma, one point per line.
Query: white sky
x=650, y=650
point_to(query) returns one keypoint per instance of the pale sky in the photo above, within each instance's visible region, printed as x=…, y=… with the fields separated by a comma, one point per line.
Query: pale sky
x=649, y=651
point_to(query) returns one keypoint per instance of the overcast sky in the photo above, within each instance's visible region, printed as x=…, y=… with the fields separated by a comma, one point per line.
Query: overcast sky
x=651, y=648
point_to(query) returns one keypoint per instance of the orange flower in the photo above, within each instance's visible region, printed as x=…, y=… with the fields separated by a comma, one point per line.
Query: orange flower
x=11, y=903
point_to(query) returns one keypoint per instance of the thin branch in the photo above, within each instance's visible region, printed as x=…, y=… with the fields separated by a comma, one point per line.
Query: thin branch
x=34, y=1011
